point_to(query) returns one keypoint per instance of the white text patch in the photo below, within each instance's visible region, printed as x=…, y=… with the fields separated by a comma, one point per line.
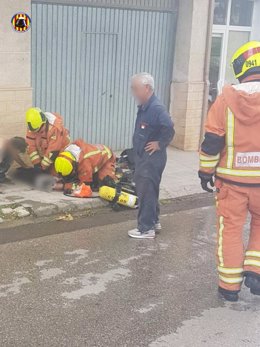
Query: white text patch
x=249, y=159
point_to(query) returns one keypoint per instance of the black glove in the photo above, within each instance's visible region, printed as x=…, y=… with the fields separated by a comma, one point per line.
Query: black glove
x=94, y=186
x=206, y=179
x=108, y=181
x=38, y=168
x=67, y=191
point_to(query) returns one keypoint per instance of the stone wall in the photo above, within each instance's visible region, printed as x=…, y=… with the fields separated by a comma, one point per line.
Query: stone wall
x=15, y=70
x=188, y=87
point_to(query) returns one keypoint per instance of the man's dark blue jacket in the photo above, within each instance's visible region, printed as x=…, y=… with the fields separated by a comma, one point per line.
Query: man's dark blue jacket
x=153, y=123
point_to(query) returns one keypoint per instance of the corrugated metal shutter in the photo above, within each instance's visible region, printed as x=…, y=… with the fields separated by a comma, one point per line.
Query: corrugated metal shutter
x=153, y=5
x=83, y=58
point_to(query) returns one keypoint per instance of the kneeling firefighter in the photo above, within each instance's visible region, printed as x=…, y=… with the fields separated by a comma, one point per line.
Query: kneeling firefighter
x=84, y=166
x=231, y=152
x=46, y=137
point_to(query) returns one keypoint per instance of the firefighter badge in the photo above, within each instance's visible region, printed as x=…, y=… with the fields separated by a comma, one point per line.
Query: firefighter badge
x=21, y=22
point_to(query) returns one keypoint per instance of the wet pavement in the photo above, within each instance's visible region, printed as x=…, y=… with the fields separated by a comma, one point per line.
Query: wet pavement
x=96, y=287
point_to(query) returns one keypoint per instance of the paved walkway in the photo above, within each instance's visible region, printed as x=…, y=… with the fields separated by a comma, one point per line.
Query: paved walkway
x=17, y=201
x=180, y=177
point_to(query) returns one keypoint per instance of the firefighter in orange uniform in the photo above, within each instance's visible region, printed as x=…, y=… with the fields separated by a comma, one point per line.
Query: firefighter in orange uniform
x=80, y=161
x=230, y=152
x=46, y=137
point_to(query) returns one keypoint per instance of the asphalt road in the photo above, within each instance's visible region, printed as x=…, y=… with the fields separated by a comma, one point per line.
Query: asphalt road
x=95, y=287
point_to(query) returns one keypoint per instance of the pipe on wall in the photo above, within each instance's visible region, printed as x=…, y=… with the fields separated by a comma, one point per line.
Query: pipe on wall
x=207, y=67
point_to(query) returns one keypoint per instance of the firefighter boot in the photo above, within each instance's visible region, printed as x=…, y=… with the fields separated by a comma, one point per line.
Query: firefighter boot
x=252, y=281
x=229, y=295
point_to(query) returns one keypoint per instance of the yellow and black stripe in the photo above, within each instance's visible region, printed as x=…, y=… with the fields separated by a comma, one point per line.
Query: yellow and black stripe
x=21, y=16
x=252, y=259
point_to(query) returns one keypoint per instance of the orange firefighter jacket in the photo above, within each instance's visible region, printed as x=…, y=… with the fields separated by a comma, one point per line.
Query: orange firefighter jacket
x=231, y=147
x=94, y=159
x=44, y=144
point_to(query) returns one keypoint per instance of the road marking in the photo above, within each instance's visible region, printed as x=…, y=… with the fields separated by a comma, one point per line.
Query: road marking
x=41, y=263
x=14, y=287
x=94, y=284
x=147, y=309
x=79, y=254
x=126, y=261
x=47, y=274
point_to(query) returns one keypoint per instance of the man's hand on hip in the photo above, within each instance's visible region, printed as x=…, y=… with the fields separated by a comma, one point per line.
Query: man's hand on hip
x=152, y=147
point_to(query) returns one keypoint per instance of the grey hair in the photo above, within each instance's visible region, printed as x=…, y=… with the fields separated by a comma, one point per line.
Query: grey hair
x=146, y=78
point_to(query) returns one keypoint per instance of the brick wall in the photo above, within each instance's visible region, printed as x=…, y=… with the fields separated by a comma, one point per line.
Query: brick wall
x=187, y=113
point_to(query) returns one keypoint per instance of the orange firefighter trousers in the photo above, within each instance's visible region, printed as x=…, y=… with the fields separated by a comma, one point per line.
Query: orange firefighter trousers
x=233, y=204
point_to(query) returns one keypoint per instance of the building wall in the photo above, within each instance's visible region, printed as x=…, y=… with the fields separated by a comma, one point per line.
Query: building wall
x=189, y=92
x=189, y=82
x=15, y=70
x=255, y=35
x=189, y=79
x=83, y=57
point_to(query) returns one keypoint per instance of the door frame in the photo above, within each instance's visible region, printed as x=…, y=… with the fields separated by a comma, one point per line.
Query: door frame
x=222, y=61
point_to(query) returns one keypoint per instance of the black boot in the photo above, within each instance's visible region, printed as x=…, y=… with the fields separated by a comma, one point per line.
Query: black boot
x=229, y=295
x=252, y=281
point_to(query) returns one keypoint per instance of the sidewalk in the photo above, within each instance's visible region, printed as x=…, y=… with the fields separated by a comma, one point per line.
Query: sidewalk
x=180, y=177
x=19, y=201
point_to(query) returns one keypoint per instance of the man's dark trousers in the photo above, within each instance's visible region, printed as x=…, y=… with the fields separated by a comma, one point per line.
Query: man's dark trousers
x=153, y=124
x=148, y=173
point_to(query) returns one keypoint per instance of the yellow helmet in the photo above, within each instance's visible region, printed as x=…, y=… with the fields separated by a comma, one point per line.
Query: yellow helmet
x=246, y=60
x=35, y=118
x=64, y=163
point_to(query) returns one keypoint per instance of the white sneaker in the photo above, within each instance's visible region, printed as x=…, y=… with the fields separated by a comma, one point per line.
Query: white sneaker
x=158, y=227
x=136, y=234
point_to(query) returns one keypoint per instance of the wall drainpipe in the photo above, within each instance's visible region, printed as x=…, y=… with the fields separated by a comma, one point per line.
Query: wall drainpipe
x=206, y=68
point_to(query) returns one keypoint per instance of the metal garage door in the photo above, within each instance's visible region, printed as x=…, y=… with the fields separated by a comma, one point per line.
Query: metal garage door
x=83, y=57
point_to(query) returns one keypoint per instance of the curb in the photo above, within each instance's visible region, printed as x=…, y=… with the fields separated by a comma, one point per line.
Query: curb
x=21, y=211
x=22, y=205
x=98, y=215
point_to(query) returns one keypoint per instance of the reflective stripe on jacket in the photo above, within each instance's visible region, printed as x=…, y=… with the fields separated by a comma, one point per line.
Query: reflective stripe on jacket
x=92, y=158
x=231, y=148
x=50, y=140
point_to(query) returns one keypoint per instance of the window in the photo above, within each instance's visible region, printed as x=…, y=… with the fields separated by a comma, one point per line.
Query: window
x=215, y=60
x=241, y=12
x=220, y=12
x=235, y=40
x=232, y=27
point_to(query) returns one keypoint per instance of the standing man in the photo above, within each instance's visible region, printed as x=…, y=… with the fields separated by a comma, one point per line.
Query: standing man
x=46, y=137
x=231, y=153
x=153, y=133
